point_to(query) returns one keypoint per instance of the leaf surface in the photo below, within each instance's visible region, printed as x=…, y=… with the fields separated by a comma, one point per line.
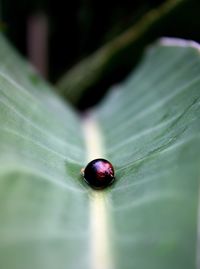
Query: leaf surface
x=149, y=127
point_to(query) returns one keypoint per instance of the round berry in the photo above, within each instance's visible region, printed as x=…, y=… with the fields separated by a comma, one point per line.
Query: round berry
x=99, y=173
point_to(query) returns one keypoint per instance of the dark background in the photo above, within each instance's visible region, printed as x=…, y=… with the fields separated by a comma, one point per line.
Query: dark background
x=77, y=28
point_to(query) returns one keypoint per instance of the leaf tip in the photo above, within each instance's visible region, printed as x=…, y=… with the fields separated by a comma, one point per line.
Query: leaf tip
x=178, y=42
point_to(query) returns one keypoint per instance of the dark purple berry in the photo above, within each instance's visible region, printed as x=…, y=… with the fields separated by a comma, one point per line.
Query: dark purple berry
x=99, y=173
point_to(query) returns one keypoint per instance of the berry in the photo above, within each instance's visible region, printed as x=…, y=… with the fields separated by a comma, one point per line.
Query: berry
x=99, y=173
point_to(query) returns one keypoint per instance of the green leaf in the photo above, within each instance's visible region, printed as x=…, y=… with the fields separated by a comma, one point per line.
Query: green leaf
x=43, y=205
x=148, y=127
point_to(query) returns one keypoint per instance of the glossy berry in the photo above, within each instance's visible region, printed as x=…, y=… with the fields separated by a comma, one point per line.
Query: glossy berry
x=99, y=173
